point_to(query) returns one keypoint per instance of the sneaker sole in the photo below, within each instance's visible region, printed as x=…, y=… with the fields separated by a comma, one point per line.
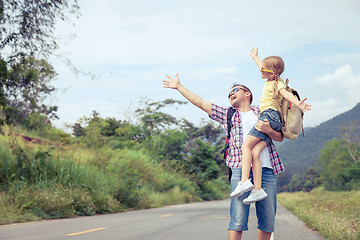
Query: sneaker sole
x=250, y=202
x=241, y=193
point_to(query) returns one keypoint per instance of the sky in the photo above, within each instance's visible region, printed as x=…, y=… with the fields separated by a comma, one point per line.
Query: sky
x=129, y=46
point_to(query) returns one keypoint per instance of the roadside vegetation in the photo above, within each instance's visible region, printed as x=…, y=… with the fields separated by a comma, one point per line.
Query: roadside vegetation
x=327, y=197
x=335, y=215
x=110, y=166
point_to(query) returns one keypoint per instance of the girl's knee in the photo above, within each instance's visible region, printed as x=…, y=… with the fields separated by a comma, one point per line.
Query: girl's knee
x=256, y=151
x=245, y=147
x=255, y=154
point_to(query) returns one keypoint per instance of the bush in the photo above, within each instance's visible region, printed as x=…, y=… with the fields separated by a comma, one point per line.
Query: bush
x=52, y=179
x=142, y=180
x=349, y=177
x=215, y=189
x=43, y=203
x=12, y=213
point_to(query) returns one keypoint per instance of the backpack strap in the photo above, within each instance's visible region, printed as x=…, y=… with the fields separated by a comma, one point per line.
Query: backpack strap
x=276, y=94
x=229, y=115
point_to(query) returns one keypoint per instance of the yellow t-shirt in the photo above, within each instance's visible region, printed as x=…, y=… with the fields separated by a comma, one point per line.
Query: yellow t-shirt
x=267, y=100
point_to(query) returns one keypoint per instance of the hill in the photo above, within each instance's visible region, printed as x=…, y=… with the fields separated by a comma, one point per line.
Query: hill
x=299, y=154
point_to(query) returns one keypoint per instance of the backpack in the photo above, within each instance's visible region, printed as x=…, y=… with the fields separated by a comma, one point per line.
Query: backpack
x=225, y=151
x=291, y=115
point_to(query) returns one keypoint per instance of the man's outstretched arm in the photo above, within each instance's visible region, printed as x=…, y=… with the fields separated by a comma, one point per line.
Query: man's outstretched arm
x=174, y=83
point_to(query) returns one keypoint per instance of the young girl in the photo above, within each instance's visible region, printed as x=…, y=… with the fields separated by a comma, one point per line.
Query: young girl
x=271, y=68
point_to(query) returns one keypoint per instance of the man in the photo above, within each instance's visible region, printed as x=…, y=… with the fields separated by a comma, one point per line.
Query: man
x=244, y=118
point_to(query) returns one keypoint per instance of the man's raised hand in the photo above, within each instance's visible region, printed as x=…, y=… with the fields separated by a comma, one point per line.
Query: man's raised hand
x=172, y=82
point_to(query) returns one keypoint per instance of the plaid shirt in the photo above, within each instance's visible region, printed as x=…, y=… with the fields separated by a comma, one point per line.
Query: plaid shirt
x=234, y=156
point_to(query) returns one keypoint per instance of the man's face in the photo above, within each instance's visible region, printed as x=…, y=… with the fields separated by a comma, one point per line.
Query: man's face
x=237, y=95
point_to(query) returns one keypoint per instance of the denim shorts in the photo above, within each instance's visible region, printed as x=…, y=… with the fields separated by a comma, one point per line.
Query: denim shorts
x=275, y=123
x=265, y=209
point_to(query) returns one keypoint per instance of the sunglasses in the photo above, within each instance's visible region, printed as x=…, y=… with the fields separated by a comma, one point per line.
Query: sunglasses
x=236, y=90
x=266, y=70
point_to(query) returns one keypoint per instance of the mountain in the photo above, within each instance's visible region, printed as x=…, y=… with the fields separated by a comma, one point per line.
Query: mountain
x=299, y=154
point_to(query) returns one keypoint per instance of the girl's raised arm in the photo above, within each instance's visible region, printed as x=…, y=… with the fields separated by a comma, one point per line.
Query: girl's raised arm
x=254, y=55
x=300, y=104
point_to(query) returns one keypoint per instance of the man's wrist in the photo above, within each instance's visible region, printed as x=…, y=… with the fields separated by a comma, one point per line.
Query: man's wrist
x=179, y=85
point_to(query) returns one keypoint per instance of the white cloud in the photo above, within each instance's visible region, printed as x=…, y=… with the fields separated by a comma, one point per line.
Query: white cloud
x=343, y=78
x=337, y=92
x=208, y=43
x=128, y=33
x=324, y=110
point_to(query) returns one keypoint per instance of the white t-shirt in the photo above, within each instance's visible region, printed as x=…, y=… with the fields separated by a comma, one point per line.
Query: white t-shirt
x=248, y=120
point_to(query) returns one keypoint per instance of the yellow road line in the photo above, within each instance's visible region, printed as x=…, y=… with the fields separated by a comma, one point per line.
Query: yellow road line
x=167, y=215
x=88, y=231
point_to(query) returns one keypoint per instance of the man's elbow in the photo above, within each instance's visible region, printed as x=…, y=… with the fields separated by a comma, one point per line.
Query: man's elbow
x=280, y=137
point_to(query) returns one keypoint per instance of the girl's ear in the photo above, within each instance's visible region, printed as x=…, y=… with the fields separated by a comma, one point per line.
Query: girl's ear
x=272, y=75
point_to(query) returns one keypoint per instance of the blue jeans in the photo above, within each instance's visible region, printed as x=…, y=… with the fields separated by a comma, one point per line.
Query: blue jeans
x=265, y=209
x=275, y=123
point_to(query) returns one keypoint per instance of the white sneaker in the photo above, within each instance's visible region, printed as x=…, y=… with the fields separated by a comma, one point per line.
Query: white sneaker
x=241, y=188
x=255, y=195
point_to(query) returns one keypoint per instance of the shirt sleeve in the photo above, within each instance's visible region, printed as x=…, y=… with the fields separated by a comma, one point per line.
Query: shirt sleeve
x=218, y=113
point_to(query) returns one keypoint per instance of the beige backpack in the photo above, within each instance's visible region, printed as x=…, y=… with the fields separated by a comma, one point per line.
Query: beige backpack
x=291, y=115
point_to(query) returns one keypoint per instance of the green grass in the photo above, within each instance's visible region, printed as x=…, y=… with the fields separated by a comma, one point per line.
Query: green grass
x=64, y=179
x=335, y=215
x=11, y=212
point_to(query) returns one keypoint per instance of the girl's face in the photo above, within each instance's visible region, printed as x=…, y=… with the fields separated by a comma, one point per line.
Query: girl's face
x=267, y=73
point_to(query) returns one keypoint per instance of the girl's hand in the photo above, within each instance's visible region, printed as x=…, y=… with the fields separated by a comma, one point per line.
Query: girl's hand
x=254, y=52
x=172, y=82
x=304, y=106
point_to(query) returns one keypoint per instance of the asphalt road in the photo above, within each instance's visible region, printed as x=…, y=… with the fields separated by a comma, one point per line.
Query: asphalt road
x=207, y=220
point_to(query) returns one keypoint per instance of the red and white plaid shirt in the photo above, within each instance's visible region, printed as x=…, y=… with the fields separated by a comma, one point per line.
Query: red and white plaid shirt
x=234, y=156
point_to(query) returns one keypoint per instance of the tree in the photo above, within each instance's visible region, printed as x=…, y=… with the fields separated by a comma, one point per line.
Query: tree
x=168, y=146
x=28, y=88
x=333, y=159
x=208, y=132
x=202, y=163
x=78, y=130
x=350, y=177
x=339, y=160
x=311, y=179
x=351, y=135
x=27, y=30
x=152, y=119
x=27, y=26
x=296, y=183
x=97, y=131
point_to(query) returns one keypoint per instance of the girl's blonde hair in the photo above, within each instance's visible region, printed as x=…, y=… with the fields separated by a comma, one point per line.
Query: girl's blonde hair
x=275, y=64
